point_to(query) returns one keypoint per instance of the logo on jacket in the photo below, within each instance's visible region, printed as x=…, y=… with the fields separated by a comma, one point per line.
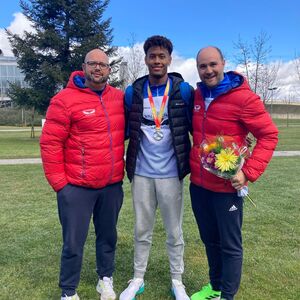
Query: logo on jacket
x=89, y=111
x=197, y=108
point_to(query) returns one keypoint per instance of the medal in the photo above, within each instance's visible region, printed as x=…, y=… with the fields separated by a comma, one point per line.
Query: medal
x=158, y=135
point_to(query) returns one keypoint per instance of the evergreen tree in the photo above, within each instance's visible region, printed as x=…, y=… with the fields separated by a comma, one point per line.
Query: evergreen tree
x=64, y=31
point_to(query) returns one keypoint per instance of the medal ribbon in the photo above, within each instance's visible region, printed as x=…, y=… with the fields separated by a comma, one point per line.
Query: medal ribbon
x=157, y=118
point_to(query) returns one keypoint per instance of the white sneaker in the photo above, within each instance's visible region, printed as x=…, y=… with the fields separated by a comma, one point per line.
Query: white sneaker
x=74, y=297
x=178, y=290
x=136, y=287
x=106, y=289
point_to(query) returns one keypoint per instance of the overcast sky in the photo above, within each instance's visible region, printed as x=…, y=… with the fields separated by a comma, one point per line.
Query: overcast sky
x=183, y=57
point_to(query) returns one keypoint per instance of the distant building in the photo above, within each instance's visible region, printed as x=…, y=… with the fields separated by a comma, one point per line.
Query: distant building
x=9, y=72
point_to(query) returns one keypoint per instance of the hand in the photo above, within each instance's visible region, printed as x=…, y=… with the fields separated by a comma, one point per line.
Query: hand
x=249, y=141
x=239, y=180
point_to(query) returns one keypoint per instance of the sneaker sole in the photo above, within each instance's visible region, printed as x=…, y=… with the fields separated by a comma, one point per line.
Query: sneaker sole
x=101, y=298
x=172, y=293
x=208, y=298
x=140, y=291
x=211, y=297
x=109, y=298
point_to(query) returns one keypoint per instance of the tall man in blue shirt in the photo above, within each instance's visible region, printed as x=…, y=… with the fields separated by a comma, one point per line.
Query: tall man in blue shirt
x=158, y=109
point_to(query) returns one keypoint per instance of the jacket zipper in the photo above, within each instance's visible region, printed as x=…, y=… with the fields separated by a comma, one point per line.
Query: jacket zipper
x=203, y=135
x=139, y=140
x=203, y=131
x=110, y=139
x=172, y=93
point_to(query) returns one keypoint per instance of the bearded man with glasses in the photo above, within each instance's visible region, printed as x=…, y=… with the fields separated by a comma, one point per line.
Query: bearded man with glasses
x=82, y=148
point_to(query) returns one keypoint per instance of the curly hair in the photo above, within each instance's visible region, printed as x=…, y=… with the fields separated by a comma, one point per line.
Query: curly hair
x=158, y=41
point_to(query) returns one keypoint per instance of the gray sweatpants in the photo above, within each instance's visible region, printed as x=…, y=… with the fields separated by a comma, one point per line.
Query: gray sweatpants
x=167, y=194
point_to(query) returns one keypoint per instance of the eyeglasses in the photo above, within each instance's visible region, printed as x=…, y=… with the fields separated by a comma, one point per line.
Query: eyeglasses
x=94, y=64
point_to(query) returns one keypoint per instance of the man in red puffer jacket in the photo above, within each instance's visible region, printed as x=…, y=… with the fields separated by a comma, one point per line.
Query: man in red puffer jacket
x=82, y=149
x=225, y=106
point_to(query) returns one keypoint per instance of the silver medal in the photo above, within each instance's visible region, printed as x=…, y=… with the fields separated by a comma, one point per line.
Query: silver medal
x=158, y=135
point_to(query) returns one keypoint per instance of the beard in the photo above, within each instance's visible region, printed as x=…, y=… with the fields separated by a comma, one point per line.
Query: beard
x=101, y=79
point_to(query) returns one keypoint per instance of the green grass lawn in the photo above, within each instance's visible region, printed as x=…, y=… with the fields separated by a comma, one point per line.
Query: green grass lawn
x=287, y=123
x=31, y=240
x=289, y=136
x=20, y=145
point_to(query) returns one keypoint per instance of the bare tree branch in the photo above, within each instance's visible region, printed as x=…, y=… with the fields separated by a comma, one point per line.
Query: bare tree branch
x=253, y=60
x=297, y=63
x=243, y=57
x=133, y=65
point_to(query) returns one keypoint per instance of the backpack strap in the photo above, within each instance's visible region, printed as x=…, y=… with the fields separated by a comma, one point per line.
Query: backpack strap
x=185, y=91
x=128, y=105
x=187, y=94
x=128, y=97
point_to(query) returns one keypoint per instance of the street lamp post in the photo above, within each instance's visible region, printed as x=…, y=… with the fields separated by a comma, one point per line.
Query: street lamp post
x=272, y=89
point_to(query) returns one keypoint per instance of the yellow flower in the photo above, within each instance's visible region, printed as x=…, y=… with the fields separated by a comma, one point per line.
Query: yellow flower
x=209, y=147
x=226, y=160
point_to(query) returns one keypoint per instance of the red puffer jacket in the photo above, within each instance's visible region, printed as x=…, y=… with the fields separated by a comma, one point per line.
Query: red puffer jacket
x=82, y=141
x=234, y=113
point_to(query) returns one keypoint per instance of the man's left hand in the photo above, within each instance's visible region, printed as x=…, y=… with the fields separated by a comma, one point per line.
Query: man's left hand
x=239, y=180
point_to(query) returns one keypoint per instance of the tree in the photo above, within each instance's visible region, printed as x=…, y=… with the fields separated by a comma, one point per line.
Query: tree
x=288, y=100
x=297, y=64
x=133, y=65
x=253, y=59
x=26, y=98
x=63, y=32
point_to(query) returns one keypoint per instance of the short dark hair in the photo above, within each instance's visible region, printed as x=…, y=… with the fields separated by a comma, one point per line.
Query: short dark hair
x=158, y=41
x=218, y=49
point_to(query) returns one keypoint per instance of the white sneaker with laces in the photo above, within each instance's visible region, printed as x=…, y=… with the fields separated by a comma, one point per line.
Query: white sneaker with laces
x=136, y=287
x=178, y=290
x=74, y=297
x=106, y=289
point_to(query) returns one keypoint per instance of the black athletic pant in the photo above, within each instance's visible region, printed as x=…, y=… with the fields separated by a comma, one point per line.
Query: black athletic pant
x=76, y=206
x=219, y=218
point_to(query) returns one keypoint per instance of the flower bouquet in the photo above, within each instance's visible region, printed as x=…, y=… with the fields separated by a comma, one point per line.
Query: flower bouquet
x=224, y=158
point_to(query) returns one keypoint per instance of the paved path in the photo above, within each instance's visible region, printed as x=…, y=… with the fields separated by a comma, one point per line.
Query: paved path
x=20, y=161
x=21, y=130
x=286, y=153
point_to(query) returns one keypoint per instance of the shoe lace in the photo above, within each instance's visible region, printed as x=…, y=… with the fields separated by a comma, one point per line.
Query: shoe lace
x=108, y=284
x=108, y=281
x=207, y=287
x=135, y=282
x=178, y=285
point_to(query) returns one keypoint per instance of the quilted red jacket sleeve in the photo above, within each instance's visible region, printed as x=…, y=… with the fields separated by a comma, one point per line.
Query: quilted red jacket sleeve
x=54, y=134
x=258, y=121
